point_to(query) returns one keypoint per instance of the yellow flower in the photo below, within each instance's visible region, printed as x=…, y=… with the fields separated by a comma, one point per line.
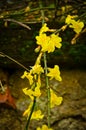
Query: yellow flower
x=44, y=127
x=50, y=47
x=45, y=47
x=69, y=19
x=31, y=93
x=37, y=115
x=28, y=76
x=42, y=39
x=37, y=92
x=37, y=69
x=28, y=92
x=48, y=43
x=54, y=42
x=54, y=73
x=44, y=29
x=55, y=100
x=77, y=26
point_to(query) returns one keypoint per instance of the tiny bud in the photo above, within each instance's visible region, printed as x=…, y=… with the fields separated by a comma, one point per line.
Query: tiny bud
x=6, y=24
x=63, y=27
x=37, y=49
x=27, y=9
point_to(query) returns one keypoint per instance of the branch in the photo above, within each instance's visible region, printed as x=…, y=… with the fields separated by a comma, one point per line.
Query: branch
x=46, y=71
x=32, y=109
x=4, y=55
x=20, y=23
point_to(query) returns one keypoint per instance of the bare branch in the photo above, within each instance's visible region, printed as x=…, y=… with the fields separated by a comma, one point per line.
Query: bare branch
x=20, y=23
x=4, y=55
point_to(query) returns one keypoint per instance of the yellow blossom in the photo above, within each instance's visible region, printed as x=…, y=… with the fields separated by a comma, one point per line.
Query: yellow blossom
x=37, y=69
x=42, y=39
x=77, y=26
x=28, y=92
x=45, y=47
x=50, y=47
x=44, y=29
x=31, y=93
x=37, y=115
x=69, y=19
x=56, y=39
x=54, y=73
x=44, y=127
x=55, y=100
x=48, y=43
x=52, y=43
x=28, y=76
x=37, y=92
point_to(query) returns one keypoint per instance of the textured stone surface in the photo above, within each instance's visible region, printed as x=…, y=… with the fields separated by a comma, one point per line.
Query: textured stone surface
x=70, y=115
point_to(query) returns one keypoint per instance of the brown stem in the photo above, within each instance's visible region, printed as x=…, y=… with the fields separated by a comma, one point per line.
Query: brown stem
x=4, y=55
x=20, y=23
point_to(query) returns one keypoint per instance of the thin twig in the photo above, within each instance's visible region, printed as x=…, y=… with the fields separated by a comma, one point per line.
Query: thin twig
x=73, y=41
x=4, y=55
x=20, y=23
x=2, y=88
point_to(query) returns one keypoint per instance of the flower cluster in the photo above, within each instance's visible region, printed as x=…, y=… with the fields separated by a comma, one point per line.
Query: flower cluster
x=76, y=25
x=33, y=77
x=48, y=43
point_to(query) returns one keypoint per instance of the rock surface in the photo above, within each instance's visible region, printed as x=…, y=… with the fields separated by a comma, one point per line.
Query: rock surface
x=70, y=115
